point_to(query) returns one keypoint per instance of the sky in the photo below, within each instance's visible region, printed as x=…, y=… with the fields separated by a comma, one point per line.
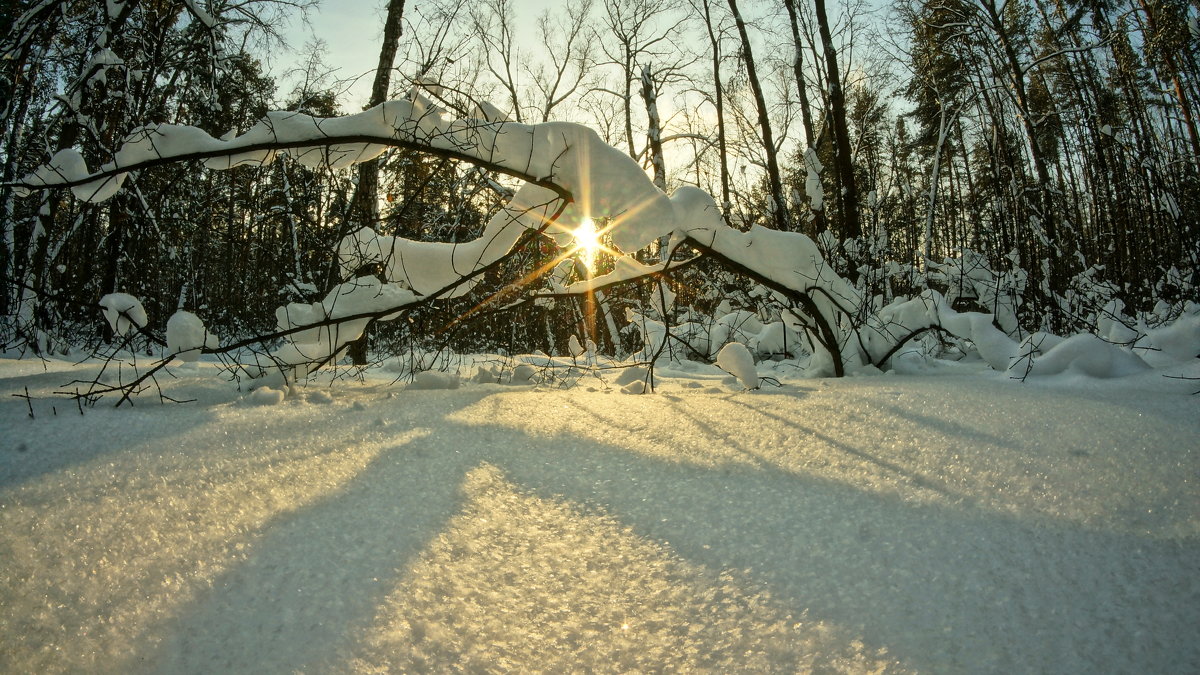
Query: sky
x=352, y=30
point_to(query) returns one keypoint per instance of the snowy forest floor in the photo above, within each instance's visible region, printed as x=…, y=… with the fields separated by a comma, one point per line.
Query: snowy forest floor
x=951, y=521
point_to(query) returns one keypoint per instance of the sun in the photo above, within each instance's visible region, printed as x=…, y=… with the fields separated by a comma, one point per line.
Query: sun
x=587, y=241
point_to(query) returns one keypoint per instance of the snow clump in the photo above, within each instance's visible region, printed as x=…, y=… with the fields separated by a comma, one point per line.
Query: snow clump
x=522, y=375
x=123, y=311
x=736, y=359
x=577, y=350
x=186, y=336
x=266, y=396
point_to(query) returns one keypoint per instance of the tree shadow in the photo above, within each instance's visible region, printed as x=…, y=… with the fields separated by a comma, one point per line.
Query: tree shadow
x=970, y=434
x=945, y=588
x=51, y=441
x=914, y=478
x=316, y=577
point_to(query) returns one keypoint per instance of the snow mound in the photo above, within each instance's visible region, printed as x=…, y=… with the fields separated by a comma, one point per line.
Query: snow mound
x=320, y=397
x=186, y=336
x=486, y=375
x=630, y=375
x=735, y=359
x=1083, y=354
x=523, y=374
x=432, y=379
x=636, y=387
x=1179, y=339
x=266, y=396
x=123, y=312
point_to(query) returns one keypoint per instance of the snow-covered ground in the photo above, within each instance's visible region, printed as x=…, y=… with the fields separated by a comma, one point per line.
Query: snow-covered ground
x=950, y=521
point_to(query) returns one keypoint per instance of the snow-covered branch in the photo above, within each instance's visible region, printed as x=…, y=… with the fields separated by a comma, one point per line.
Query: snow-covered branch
x=516, y=150
x=572, y=177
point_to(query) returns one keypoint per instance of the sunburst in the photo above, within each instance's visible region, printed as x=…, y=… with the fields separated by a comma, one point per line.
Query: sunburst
x=587, y=242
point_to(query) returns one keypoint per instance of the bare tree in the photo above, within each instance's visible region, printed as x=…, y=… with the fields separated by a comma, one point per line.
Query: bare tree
x=844, y=164
x=799, y=74
x=714, y=33
x=365, y=202
x=568, y=56
x=770, y=150
x=494, y=22
x=637, y=33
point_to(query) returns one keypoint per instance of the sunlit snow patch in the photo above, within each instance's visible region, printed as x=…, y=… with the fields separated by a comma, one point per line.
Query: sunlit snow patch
x=735, y=359
x=518, y=582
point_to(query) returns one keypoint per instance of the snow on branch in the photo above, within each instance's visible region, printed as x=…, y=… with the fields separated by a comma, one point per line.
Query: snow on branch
x=335, y=142
x=572, y=177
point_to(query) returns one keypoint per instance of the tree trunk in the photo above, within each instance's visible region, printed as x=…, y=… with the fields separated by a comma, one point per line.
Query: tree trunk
x=365, y=202
x=843, y=164
x=1043, y=205
x=798, y=73
x=720, y=103
x=778, y=213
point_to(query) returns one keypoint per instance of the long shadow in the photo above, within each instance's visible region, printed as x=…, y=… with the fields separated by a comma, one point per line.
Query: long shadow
x=971, y=434
x=944, y=588
x=914, y=478
x=610, y=422
x=314, y=580
x=51, y=441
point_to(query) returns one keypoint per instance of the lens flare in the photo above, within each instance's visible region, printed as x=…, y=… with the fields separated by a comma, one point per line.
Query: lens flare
x=587, y=242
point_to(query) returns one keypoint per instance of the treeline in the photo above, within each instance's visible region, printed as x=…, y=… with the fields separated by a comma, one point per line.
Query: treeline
x=1048, y=152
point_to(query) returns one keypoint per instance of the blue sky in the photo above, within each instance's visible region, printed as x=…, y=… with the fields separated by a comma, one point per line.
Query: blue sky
x=352, y=30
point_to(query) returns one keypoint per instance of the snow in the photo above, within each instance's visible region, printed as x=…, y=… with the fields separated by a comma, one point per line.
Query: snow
x=123, y=312
x=201, y=15
x=954, y=521
x=432, y=379
x=1084, y=353
x=266, y=396
x=356, y=297
x=1179, y=339
x=630, y=375
x=576, y=350
x=186, y=335
x=606, y=182
x=812, y=183
x=735, y=359
x=523, y=374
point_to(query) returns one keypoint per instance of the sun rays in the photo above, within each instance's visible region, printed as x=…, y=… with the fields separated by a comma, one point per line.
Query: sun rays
x=589, y=243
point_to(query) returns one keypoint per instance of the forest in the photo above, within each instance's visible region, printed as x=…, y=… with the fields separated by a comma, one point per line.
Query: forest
x=1032, y=163
x=629, y=336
